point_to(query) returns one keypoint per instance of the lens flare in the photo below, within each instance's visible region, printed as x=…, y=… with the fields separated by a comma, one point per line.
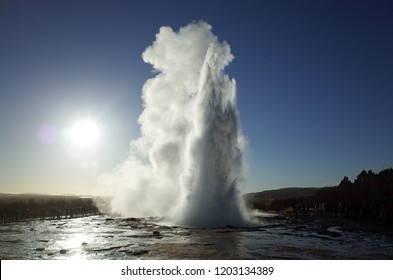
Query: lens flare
x=48, y=134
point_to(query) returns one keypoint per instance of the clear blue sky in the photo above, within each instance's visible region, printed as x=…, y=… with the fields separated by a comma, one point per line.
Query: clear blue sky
x=314, y=78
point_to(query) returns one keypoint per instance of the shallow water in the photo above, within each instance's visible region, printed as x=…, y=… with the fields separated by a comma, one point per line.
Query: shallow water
x=103, y=237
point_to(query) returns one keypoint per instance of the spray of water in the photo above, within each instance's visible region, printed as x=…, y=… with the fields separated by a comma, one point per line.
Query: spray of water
x=187, y=163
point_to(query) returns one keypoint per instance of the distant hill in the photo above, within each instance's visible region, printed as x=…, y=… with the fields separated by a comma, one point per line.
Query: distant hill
x=265, y=197
x=8, y=197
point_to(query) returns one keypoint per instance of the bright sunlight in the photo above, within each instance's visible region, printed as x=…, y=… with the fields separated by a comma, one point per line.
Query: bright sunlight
x=85, y=134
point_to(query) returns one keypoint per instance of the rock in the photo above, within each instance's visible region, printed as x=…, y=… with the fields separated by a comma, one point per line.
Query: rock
x=130, y=219
x=139, y=252
x=63, y=251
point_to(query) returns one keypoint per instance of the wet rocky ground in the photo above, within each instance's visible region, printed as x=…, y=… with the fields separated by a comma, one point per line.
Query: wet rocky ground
x=273, y=237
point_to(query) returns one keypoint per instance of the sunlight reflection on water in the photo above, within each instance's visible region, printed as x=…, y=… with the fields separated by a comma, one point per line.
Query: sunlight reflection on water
x=102, y=237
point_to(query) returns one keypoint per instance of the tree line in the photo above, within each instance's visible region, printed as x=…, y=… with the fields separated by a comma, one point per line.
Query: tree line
x=368, y=197
x=19, y=208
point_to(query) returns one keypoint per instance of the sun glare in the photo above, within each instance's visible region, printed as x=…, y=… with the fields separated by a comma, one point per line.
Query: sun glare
x=85, y=133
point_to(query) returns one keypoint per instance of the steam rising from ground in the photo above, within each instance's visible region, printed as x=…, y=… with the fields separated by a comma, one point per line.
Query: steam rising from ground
x=187, y=163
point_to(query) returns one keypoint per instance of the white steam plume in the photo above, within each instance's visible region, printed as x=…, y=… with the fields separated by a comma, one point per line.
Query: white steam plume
x=187, y=163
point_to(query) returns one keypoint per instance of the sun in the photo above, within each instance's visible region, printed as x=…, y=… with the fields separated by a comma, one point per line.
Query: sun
x=85, y=133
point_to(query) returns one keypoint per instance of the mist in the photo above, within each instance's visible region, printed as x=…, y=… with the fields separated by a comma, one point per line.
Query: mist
x=187, y=163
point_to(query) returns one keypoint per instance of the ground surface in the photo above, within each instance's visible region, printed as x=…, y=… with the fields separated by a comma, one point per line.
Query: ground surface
x=275, y=237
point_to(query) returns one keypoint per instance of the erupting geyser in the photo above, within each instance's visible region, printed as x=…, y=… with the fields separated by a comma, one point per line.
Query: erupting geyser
x=187, y=164
x=213, y=166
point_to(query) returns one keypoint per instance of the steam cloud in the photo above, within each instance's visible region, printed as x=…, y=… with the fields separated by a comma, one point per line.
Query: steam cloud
x=187, y=163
